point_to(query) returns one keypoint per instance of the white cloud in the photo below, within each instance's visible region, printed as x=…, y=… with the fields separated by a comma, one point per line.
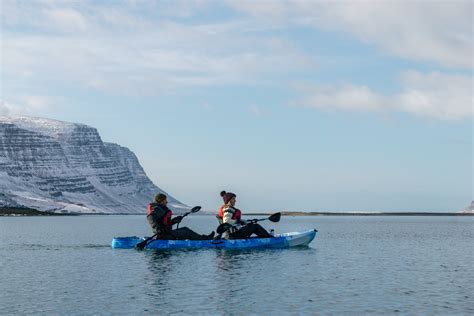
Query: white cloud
x=439, y=32
x=5, y=108
x=37, y=102
x=434, y=95
x=33, y=105
x=67, y=19
x=142, y=48
x=348, y=97
x=120, y=49
x=9, y=109
x=434, y=31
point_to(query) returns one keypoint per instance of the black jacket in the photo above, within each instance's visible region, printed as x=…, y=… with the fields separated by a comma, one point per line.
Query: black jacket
x=159, y=218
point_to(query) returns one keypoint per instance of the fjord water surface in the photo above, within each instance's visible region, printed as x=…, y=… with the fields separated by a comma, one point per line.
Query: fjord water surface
x=356, y=265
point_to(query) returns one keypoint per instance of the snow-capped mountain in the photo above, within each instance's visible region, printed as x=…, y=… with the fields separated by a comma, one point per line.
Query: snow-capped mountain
x=66, y=167
x=469, y=209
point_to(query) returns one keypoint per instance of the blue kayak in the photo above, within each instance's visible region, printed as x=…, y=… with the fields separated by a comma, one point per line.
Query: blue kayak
x=286, y=240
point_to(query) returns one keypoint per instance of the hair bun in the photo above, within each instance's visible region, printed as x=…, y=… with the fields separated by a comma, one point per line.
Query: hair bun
x=223, y=193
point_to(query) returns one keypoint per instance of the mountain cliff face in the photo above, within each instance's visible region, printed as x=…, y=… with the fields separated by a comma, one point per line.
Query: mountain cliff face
x=65, y=167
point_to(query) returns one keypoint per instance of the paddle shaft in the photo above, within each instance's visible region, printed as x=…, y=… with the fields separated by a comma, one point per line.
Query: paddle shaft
x=185, y=214
x=273, y=218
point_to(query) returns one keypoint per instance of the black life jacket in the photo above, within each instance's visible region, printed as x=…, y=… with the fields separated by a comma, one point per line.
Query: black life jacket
x=159, y=218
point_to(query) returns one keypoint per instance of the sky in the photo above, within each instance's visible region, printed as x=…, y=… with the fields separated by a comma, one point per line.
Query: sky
x=292, y=105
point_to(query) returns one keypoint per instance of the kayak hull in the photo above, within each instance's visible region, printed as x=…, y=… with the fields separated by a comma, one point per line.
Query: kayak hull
x=287, y=240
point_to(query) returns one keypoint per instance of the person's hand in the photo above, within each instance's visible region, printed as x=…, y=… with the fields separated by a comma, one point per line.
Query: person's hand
x=178, y=219
x=242, y=222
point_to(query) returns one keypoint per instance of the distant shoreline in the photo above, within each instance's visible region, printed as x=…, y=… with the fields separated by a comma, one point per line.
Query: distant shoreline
x=366, y=214
x=25, y=211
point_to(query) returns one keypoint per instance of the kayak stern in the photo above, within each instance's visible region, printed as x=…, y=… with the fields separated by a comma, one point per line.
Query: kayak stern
x=125, y=242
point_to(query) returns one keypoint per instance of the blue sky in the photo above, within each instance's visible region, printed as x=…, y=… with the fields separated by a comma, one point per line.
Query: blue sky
x=292, y=105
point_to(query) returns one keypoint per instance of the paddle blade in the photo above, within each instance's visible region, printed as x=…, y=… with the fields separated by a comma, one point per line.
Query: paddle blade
x=275, y=217
x=141, y=244
x=195, y=209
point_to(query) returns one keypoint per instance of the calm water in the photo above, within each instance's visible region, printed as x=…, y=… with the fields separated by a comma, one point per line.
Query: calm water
x=356, y=265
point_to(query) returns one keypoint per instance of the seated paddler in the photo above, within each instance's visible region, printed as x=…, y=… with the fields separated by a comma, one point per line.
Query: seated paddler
x=238, y=228
x=161, y=221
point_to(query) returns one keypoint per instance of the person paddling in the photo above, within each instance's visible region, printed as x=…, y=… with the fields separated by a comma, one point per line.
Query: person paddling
x=232, y=216
x=159, y=218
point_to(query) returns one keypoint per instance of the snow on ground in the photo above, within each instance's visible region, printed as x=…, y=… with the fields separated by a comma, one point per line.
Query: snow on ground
x=469, y=209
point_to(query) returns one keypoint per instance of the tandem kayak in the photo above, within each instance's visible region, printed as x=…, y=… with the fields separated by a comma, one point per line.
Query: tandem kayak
x=286, y=240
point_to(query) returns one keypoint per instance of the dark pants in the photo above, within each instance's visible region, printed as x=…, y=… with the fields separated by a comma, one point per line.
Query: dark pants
x=184, y=233
x=250, y=229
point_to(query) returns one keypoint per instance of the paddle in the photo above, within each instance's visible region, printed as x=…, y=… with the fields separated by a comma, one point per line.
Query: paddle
x=272, y=218
x=142, y=244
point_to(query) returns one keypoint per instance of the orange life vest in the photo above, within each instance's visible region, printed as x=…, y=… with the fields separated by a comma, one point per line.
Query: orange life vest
x=236, y=216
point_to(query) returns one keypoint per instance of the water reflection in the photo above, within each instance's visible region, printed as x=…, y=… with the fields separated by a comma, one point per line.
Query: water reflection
x=228, y=260
x=179, y=280
x=159, y=264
